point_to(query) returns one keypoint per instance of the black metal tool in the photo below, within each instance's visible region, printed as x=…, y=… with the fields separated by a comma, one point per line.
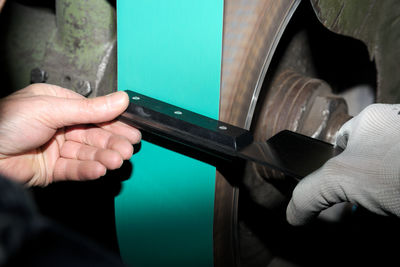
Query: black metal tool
x=292, y=153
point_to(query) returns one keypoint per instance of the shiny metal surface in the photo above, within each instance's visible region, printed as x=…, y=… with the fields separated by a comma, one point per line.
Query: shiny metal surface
x=267, y=61
x=294, y=154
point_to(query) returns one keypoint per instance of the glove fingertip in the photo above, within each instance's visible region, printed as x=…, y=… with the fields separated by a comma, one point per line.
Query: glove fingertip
x=294, y=216
x=341, y=140
x=343, y=135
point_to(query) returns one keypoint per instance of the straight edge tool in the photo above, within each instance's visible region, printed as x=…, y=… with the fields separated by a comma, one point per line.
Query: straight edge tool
x=181, y=130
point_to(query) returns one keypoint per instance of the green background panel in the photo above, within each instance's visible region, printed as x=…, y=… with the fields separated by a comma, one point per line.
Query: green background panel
x=170, y=50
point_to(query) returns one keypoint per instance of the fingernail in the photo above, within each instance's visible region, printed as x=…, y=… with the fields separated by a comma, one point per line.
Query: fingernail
x=117, y=99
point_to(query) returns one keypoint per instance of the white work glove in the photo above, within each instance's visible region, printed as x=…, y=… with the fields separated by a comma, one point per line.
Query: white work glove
x=366, y=173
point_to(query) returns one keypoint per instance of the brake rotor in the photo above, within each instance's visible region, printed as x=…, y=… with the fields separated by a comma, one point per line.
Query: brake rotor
x=252, y=30
x=293, y=101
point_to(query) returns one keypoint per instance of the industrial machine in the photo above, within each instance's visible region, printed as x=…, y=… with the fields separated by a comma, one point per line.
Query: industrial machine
x=304, y=66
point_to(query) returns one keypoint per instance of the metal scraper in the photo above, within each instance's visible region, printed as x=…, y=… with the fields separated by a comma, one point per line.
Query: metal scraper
x=291, y=153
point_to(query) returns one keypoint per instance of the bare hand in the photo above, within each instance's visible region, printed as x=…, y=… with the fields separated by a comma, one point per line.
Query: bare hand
x=48, y=134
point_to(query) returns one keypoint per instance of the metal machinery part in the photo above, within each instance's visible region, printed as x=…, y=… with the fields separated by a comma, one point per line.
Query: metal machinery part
x=292, y=99
x=74, y=45
x=251, y=33
x=266, y=87
x=375, y=23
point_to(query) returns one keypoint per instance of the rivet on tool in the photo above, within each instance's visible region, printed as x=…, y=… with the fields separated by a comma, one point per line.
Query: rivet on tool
x=135, y=98
x=222, y=127
x=178, y=112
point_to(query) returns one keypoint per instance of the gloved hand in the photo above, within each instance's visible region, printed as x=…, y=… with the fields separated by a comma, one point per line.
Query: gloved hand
x=48, y=133
x=366, y=173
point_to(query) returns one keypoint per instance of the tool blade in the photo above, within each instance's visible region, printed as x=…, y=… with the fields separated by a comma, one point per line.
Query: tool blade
x=292, y=153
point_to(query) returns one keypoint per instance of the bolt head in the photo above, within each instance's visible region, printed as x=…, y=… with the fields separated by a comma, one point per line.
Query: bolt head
x=83, y=88
x=38, y=76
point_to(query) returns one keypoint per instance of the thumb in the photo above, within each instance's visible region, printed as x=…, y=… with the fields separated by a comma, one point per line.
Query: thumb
x=72, y=111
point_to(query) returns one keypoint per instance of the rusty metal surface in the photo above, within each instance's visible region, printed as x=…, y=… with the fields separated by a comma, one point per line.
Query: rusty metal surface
x=301, y=104
x=377, y=24
x=72, y=42
x=252, y=30
x=297, y=103
x=20, y=57
x=85, y=44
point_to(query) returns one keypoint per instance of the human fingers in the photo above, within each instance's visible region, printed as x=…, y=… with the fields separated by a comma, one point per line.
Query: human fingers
x=100, y=138
x=77, y=170
x=115, y=127
x=72, y=111
x=46, y=89
x=120, y=128
x=317, y=192
x=109, y=158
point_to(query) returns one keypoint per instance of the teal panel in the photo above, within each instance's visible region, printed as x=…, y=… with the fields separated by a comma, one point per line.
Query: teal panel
x=169, y=50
